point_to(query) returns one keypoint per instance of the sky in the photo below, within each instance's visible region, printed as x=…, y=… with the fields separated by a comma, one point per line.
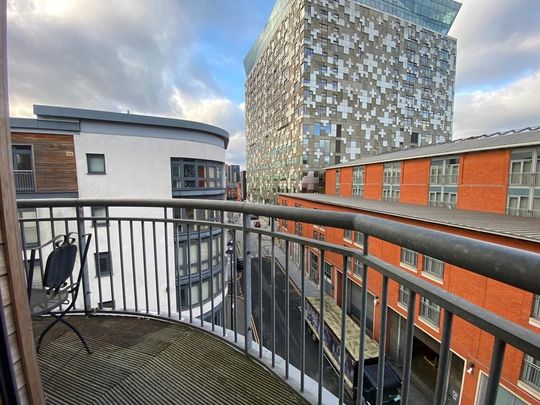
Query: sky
x=183, y=59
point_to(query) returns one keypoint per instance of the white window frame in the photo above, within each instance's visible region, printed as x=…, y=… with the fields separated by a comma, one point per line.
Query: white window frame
x=358, y=181
x=403, y=297
x=428, y=268
x=481, y=391
x=408, y=259
x=426, y=307
x=530, y=370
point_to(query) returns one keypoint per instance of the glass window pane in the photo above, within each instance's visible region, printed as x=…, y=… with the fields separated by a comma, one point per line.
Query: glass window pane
x=96, y=163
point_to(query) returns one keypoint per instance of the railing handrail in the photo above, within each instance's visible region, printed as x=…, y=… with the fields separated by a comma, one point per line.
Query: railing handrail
x=515, y=267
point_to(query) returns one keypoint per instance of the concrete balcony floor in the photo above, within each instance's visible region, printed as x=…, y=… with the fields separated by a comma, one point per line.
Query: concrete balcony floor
x=141, y=361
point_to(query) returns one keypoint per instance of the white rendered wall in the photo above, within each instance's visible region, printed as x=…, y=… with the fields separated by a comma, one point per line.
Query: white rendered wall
x=138, y=168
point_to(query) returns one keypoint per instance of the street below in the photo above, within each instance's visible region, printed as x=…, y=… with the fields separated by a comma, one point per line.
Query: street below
x=330, y=377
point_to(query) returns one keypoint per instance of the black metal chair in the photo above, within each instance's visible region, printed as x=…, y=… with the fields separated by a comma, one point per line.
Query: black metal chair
x=60, y=286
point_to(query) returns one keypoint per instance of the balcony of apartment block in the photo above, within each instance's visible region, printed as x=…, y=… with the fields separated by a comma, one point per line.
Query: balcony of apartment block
x=442, y=204
x=527, y=179
x=24, y=181
x=151, y=343
x=442, y=179
x=523, y=212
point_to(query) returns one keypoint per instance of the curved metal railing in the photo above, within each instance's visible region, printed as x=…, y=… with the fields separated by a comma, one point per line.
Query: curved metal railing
x=147, y=258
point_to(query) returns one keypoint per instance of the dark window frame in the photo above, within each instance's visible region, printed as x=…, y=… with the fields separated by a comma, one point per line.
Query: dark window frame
x=99, y=270
x=89, y=156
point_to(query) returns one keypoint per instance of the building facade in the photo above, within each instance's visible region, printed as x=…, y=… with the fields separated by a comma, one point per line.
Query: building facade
x=331, y=81
x=68, y=152
x=467, y=187
x=232, y=173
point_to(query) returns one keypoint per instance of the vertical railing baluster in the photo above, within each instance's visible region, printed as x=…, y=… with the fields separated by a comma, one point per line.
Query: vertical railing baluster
x=495, y=370
x=133, y=267
x=361, y=356
x=66, y=226
x=211, y=267
x=167, y=267
x=53, y=231
x=382, y=341
x=156, y=272
x=98, y=263
x=343, y=347
x=287, y=329
x=177, y=287
x=111, y=282
x=23, y=242
x=234, y=275
x=409, y=337
x=248, y=332
x=303, y=316
x=145, y=270
x=81, y=230
x=188, y=254
x=260, y=296
x=199, y=268
x=223, y=305
x=273, y=299
x=444, y=359
x=122, y=275
x=321, y=326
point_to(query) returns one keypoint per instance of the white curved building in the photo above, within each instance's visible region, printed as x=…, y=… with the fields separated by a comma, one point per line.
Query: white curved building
x=117, y=155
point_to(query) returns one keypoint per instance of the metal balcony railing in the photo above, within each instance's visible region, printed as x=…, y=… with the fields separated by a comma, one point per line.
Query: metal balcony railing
x=524, y=179
x=146, y=258
x=523, y=212
x=443, y=204
x=391, y=178
x=443, y=179
x=24, y=180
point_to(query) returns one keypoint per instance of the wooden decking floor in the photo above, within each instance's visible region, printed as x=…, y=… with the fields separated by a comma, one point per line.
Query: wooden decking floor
x=141, y=361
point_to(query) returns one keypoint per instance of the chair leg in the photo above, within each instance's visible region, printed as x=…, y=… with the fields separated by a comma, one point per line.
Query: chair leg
x=76, y=332
x=61, y=319
x=47, y=329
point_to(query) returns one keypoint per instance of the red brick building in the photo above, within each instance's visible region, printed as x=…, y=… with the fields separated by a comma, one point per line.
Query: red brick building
x=486, y=188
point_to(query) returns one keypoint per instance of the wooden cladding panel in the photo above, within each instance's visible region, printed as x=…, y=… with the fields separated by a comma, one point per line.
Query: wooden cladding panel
x=23, y=396
x=54, y=161
x=5, y=290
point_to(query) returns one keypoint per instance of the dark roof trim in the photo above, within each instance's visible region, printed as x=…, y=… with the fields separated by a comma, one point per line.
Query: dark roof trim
x=45, y=111
x=31, y=124
x=526, y=137
x=526, y=229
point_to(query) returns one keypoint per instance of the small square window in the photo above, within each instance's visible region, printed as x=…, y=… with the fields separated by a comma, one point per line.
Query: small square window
x=103, y=264
x=99, y=212
x=96, y=163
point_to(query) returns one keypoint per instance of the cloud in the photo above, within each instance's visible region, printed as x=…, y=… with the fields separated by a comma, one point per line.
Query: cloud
x=221, y=112
x=511, y=107
x=122, y=55
x=498, y=42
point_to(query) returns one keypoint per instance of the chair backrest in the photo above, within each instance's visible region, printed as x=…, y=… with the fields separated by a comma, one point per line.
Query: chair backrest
x=60, y=264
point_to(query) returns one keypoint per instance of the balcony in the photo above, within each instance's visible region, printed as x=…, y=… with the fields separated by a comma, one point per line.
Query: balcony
x=152, y=341
x=141, y=361
x=24, y=181
x=523, y=212
x=442, y=204
x=391, y=178
x=524, y=179
x=442, y=179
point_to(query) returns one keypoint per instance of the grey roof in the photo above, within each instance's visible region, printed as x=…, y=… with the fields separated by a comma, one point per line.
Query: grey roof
x=496, y=224
x=19, y=124
x=499, y=140
x=54, y=112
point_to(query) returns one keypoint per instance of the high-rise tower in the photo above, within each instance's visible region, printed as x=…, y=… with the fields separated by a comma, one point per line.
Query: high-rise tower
x=331, y=81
